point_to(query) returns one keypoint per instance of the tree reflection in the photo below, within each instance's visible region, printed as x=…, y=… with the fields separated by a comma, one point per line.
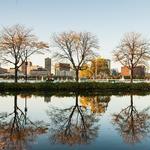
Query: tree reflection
x=97, y=104
x=17, y=130
x=132, y=125
x=74, y=125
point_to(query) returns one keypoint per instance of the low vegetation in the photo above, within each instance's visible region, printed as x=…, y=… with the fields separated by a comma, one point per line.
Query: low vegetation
x=75, y=87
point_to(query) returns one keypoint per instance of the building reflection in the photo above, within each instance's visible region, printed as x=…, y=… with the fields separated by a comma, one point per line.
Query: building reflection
x=97, y=104
x=133, y=125
x=17, y=131
x=47, y=99
x=74, y=125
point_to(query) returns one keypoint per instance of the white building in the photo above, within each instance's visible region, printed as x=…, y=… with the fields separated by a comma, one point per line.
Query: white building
x=63, y=70
x=39, y=72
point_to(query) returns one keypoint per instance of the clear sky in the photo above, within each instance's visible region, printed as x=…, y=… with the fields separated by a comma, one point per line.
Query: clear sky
x=108, y=19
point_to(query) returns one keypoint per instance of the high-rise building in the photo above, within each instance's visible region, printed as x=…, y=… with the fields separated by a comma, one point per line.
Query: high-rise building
x=48, y=64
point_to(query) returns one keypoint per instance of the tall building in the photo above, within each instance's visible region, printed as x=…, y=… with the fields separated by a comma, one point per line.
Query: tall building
x=48, y=64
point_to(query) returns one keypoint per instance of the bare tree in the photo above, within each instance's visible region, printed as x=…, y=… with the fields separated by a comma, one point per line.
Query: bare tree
x=17, y=131
x=132, y=125
x=77, y=48
x=132, y=51
x=74, y=125
x=17, y=43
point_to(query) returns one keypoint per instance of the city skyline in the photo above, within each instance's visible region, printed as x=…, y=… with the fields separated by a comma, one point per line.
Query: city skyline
x=107, y=20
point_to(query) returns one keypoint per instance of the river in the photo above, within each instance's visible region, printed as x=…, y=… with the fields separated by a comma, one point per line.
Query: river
x=117, y=122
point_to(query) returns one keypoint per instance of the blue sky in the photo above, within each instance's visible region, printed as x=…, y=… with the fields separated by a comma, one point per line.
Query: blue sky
x=108, y=19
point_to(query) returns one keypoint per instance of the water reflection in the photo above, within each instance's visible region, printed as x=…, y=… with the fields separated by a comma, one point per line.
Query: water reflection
x=17, y=130
x=74, y=125
x=77, y=122
x=132, y=125
x=47, y=99
x=97, y=104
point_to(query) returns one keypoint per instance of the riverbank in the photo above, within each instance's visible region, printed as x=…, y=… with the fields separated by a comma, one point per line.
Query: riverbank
x=74, y=87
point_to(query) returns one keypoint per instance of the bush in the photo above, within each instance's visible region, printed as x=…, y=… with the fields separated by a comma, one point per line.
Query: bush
x=74, y=87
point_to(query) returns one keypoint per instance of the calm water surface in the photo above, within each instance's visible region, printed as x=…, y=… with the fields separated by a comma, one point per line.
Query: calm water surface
x=77, y=122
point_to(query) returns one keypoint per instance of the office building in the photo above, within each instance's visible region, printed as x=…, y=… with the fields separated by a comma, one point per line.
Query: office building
x=48, y=64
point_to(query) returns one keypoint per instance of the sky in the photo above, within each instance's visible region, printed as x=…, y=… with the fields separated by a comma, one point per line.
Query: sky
x=107, y=19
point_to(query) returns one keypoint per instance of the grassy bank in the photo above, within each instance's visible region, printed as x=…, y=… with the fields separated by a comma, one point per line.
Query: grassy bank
x=75, y=87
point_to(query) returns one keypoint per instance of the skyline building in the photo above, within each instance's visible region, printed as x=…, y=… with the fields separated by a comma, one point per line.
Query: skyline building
x=48, y=64
x=63, y=70
x=138, y=71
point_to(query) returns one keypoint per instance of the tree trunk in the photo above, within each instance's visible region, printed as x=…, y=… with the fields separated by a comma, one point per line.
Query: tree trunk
x=132, y=124
x=131, y=76
x=76, y=100
x=14, y=123
x=26, y=63
x=131, y=98
x=16, y=74
x=15, y=104
x=77, y=75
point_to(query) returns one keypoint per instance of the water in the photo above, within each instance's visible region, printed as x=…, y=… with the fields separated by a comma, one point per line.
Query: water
x=77, y=122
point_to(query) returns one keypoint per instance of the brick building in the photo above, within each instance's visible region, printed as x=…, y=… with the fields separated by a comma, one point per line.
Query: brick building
x=125, y=71
x=138, y=72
